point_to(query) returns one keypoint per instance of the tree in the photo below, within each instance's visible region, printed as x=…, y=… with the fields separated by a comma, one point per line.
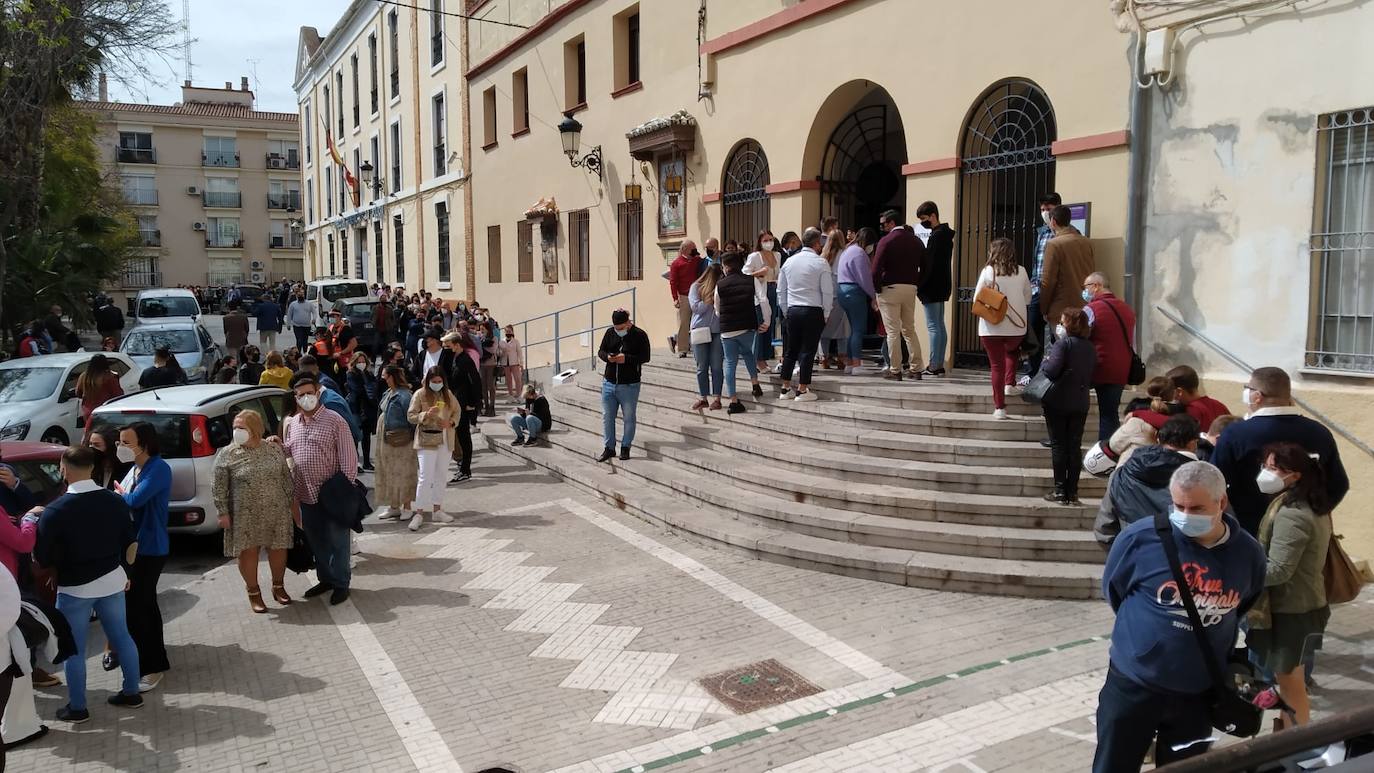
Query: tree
x=48, y=50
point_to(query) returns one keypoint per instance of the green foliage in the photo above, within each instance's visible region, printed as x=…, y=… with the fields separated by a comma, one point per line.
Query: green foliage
x=84, y=231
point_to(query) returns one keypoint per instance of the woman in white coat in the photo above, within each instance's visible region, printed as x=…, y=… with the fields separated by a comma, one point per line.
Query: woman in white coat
x=1002, y=341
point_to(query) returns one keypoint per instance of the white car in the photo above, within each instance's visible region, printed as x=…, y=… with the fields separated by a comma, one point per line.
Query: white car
x=164, y=303
x=38, y=395
x=324, y=292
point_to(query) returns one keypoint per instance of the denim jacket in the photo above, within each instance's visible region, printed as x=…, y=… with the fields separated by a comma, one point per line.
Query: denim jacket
x=395, y=404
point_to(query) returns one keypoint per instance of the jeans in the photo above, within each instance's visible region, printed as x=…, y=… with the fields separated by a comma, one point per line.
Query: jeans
x=1129, y=716
x=1035, y=324
x=897, y=305
x=1109, y=409
x=763, y=342
x=523, y=424
x=329, y=542
x=709, y=362
x=883, y=353
x=488, y=372
x=429, y=486
x=804, y=326
x=1066, y=449
x=143, y=615
x=1002, y=360
x=624, y=397
x=302, y=333
x=855, y=303
x=112, y=620
x=740, y=347
x=939, y=336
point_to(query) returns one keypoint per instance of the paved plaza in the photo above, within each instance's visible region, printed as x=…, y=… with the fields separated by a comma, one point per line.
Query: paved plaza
x=547, y=631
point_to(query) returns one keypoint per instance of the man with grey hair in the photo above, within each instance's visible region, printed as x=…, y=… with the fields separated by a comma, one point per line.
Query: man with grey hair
x=806, y=290
x=1156, y=669
x=1113, y=336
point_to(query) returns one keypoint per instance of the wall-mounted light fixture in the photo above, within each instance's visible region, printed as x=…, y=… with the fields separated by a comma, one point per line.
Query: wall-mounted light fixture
x=570, y=131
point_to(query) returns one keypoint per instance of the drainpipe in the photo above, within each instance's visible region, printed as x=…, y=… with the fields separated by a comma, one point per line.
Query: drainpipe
x=1137, y=187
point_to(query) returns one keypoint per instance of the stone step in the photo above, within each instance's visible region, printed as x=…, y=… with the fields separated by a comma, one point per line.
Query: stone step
x=895, y=445
x=831, y=473
x=883, y=516
x=964, y=393
x=615, y=483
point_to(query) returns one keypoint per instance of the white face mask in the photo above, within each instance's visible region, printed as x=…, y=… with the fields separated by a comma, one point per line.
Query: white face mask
x=1045, y=215
x=240, y=436
x=436, y=386
x=360, y=365
x=1246, y=395
x=768, y=245
x=1059, y=331
x=124, y=454
x=1270, y=482
x=308, y=403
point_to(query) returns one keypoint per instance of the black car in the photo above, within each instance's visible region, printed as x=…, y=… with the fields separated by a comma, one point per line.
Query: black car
x=249, y=295
x=359, y=313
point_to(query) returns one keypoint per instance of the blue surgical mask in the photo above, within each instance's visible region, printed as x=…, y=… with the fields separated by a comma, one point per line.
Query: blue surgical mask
x=1087, y=296
x=622, y=333
x=1191, y=525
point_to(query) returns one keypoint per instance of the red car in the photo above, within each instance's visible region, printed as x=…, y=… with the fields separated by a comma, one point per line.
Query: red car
x=38, y=466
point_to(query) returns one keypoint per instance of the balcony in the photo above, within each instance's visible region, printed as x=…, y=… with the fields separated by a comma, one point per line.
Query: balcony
x=150, y=237
x=136, y=155
x=291, y=160
x=223, y=279
x=436, y=49
x=289, y=201
x=224, y=199
x=140, y=278
x=223, y=243
x=141, y=198
x=224, y=158
x=286, y=242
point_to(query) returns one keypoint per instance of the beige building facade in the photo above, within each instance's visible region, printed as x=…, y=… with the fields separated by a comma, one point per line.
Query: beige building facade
x=384, y=88
x=214, y=184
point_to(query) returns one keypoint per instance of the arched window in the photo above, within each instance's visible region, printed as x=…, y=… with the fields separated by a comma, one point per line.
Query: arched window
x=744, y=194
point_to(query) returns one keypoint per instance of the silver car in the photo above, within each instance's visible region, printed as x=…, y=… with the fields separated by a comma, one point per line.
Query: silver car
x=195, y=350
x=193, y=423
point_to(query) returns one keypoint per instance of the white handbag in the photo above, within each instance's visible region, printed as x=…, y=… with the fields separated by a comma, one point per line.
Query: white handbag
x=700, y=335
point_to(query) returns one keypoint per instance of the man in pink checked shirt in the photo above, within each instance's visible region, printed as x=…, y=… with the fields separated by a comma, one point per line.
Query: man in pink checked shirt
x=319, y=444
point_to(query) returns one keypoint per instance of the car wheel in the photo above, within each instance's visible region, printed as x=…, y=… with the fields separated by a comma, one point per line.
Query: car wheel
x=55, y=436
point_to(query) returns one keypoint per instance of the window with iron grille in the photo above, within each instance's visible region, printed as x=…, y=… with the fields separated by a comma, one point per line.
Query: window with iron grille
x=394, y=35
x=329, y=240
x=309, y=201
x=524, y=250
x=338, y=88
x=398, y=232
x=441, y=218
x=630, y=231
x=439, y=122
x=395, y=151
x=357, y=107
x=494, y=254
x=327, y=193
x=377, y=250
x=579, y=247
x=372, y=72
x=328, y=112
x=1342, y=244
x=436, y=36
x=309, y=134
x=343, y=250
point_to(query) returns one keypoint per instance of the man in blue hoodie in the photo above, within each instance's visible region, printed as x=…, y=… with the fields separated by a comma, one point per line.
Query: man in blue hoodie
x=1157, y=668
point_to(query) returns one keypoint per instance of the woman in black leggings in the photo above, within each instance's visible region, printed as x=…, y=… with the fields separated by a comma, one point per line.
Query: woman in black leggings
x=1070, y=365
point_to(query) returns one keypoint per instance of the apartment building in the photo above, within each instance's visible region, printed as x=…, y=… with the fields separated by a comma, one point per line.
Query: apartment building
x=215, y=185
x=382, y=122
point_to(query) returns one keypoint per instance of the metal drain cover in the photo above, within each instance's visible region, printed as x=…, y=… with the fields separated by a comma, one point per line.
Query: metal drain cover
x=757, y=686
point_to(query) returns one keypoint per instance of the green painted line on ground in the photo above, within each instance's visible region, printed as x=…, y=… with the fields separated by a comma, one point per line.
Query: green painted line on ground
x=804, y=719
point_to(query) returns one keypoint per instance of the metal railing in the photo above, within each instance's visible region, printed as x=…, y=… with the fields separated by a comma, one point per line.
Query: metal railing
x=292, y=241
x=557, y=337
x=136, y=155
x=289, y=161
x=1294, y=744
x=224, y=199
x=1245, y=367
x=288, y=200
x=139, y=279
x=219, y=158
x=150, y=237
x=142, y=198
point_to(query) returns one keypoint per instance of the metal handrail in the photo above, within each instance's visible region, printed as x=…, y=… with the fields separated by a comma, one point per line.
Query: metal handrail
x=1244, y=366
x=558, y=336
x=1253, y=752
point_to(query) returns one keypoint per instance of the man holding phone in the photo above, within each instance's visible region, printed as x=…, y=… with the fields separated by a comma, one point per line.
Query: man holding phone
x=624, y=349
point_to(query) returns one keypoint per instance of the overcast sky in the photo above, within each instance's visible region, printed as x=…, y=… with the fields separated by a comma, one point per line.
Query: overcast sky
x=236, y=39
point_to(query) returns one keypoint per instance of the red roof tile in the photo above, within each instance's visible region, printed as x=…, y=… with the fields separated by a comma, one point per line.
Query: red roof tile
x=195, y=109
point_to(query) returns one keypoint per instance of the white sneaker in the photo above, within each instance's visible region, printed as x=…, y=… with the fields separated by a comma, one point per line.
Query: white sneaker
x=1000, y=413
x=388, y=513
x=1023, y=381
x=776, y=368
x=1012, y=391
x=416, y=521
x=807, y=397
x=787, y=394
x=441, y=517
x=149, y=682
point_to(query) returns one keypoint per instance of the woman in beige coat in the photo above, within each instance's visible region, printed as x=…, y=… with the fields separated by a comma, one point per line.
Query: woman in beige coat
x=434, y=411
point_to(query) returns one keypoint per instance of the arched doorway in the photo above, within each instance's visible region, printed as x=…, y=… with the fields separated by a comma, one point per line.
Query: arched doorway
x=744, y=194
x=1006, y=166
x=861, y=169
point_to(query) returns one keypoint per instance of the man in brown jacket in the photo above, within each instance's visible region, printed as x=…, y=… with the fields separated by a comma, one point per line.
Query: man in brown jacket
x=1068, y=260
x=235, y=330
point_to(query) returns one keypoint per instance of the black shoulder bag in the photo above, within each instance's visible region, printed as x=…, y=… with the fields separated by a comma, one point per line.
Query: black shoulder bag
x=1230, y=712
x=1137, y=374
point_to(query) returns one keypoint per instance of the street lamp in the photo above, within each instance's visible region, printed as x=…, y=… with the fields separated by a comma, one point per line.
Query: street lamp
x=570, y=131
x=374, y=182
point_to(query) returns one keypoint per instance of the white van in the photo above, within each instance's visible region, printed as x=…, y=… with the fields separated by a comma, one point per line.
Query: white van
x=164, y=303
x=323, y=292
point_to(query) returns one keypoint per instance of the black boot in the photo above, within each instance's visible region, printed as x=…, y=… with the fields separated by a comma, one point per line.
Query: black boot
x=624, y=452
x=606, y=455
x=1056, y=496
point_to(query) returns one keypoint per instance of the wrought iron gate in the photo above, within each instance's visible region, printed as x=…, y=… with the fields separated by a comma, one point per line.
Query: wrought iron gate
x=858, y=180
x=1006, y=167
x=744, y=195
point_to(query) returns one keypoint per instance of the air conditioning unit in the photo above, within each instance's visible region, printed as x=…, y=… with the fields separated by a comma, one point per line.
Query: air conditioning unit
x=198, y=226
x=256, y=276
x=192, y=190
x=276, y=162
x=258, y=265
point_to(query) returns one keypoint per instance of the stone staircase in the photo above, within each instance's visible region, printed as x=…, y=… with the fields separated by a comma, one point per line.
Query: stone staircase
x=912, y=483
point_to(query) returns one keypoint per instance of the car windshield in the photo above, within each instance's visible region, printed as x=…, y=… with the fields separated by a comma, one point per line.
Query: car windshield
x=146, y=342
x=20, y=384
x=344, y=290
x=250, y=293
x=173, y=430
x=171, y=306
x=359, y=310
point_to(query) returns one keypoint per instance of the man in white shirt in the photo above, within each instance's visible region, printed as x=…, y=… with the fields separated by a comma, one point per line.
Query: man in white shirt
x=806, y=288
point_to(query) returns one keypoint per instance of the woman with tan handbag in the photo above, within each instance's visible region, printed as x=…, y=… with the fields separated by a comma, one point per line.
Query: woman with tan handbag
x=434, y=411
x=398, y=470
x=1002, y=289
x=1287, y=623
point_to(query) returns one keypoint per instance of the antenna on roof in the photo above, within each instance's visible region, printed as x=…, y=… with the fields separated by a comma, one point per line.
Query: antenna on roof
x=186, y=36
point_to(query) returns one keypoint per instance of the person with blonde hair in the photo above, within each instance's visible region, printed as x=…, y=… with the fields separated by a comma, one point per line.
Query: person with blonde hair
x=275, y=373
x=836, y=325
x=1002, y=340
x=705, y=337
x=253, y=493
x=434, y=411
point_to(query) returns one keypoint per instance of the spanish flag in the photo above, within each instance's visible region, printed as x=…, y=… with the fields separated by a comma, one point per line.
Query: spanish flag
x=343, y=168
